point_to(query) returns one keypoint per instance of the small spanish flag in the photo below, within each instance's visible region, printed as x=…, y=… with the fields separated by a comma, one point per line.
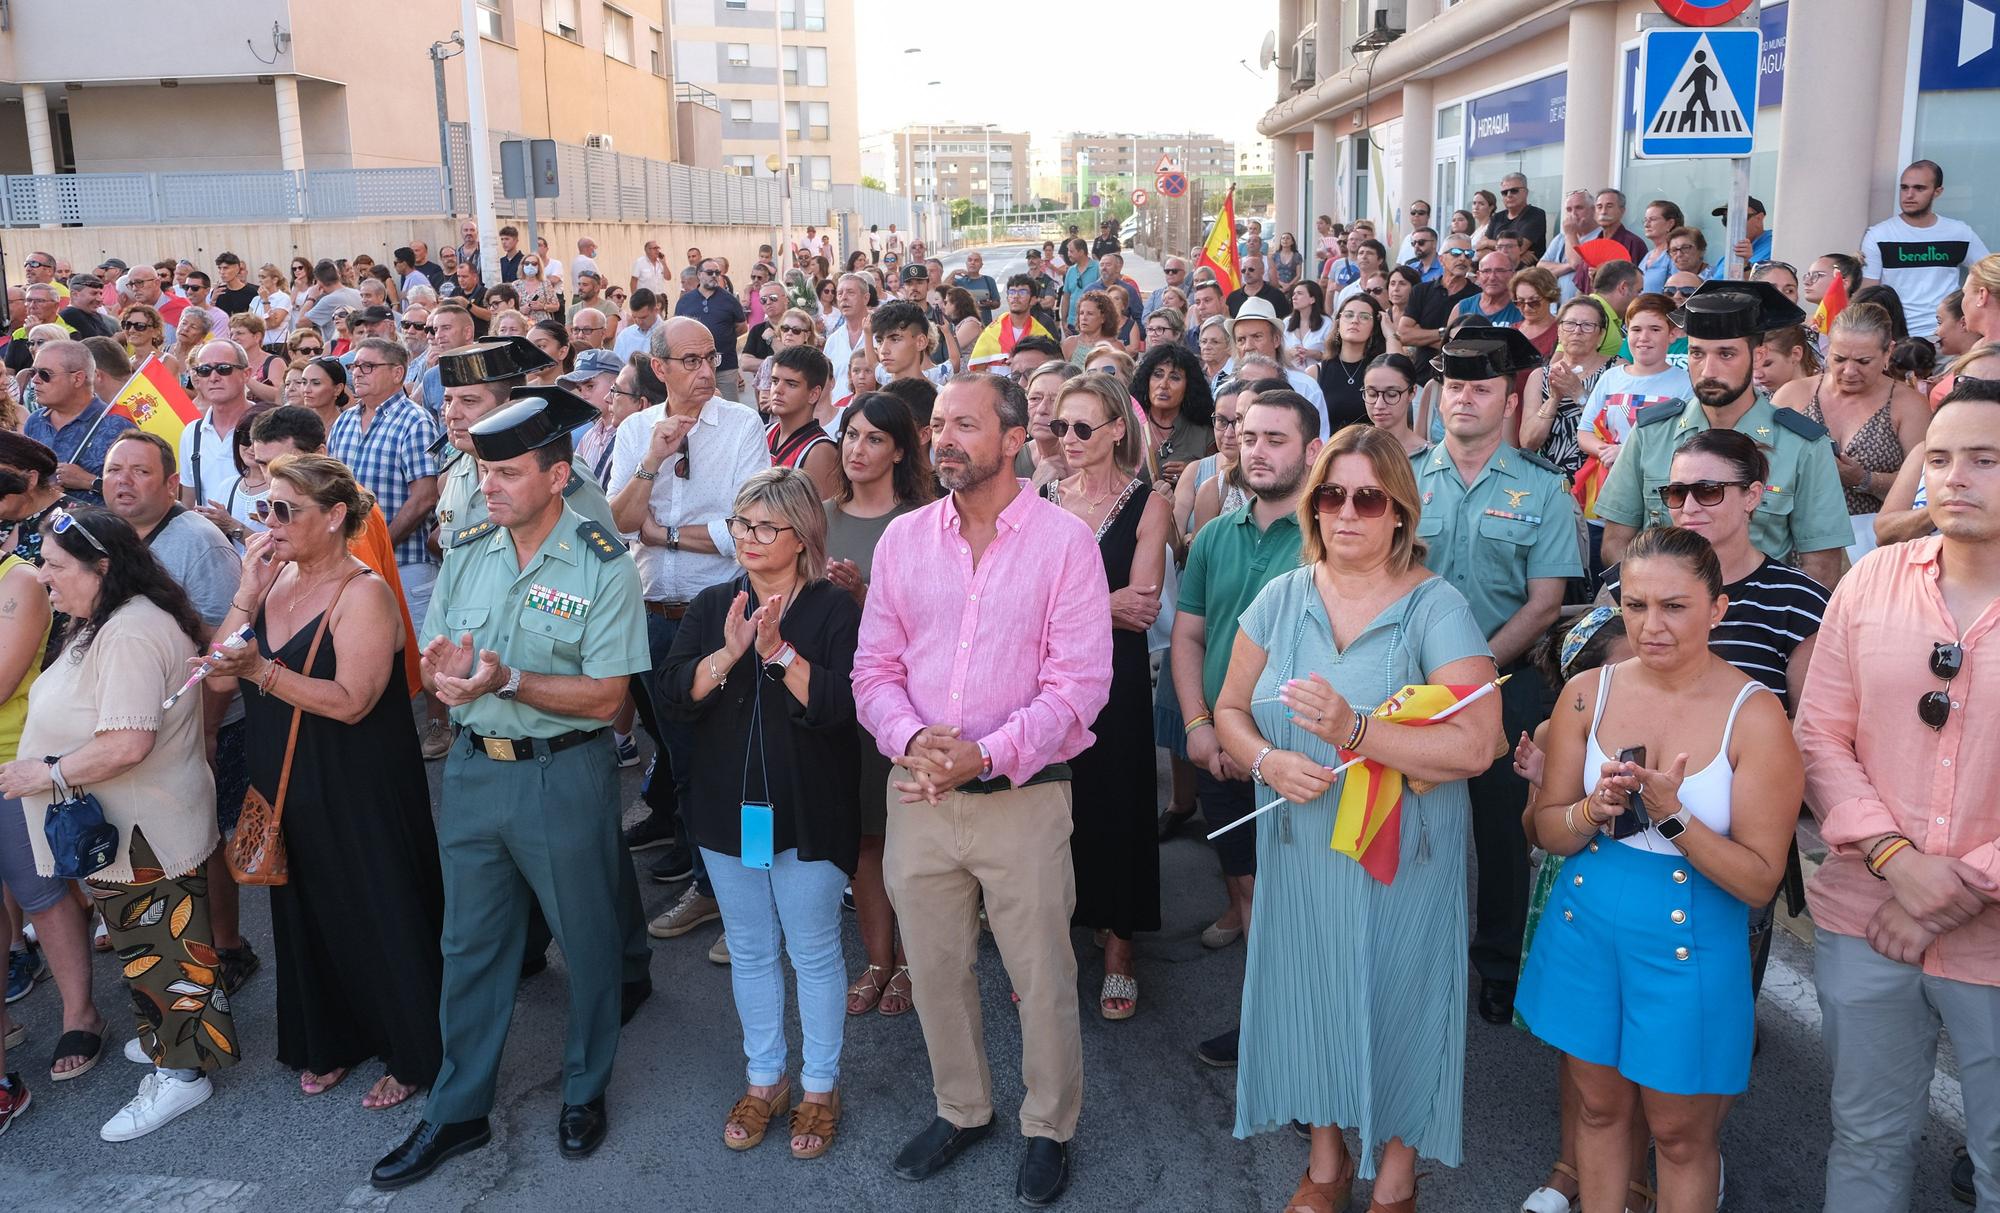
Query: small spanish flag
x=1219, y=253
x=1368, y=820
x=1590, y=477
x=996, y=343
x=152, y=398
x=1831, y=305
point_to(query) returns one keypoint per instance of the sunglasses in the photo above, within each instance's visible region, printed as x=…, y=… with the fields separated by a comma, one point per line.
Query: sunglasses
x=1084, y=429
x=33, y=264
x=205, y=369
x=1935, y=706
x=1512, y=190
x=308, y=351
x=410, y=326
x=281, y=512
x=44, y=375
x=1704, y=492
x=1369, y=502
x=136, y=326
x=61, y=520
x=1679, y=292
x=794, y=330
x=1458, y=252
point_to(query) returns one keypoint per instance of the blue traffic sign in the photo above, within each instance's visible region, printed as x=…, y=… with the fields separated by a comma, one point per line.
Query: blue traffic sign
x=1698, y=92
x=1172, y=185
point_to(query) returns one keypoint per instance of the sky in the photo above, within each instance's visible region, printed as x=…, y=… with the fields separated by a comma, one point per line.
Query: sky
x=1154, y=65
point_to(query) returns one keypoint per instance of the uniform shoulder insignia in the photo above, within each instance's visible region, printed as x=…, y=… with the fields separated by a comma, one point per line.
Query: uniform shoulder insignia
x=597, y=539
x=467, y=534
x=1655, y=413
x=442, y=448
x=575, y=483
x=1800, y=424
x=1542, y=462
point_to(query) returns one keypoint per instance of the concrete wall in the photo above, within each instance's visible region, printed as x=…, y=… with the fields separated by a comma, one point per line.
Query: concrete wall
x=125, y=129
x=87, y=40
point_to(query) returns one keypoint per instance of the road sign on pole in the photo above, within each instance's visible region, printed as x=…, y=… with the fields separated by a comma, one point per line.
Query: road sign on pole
x=1138, y=197
x=1704, y=12
x=1172, y=184
x=1166, y=165
x=1697, y=92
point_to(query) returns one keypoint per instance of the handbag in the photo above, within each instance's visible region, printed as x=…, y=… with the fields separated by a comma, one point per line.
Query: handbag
x=80, y=840
x=256, y=852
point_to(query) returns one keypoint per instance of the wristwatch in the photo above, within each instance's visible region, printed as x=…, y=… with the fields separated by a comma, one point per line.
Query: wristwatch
x=97, y=485
x=673, y=539
x=779, y=662
x=512, y=687
x=1673, y=827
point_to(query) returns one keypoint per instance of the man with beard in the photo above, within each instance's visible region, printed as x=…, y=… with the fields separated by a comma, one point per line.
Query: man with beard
x=984, y=654
x=1724, y=322
x=1229, y=562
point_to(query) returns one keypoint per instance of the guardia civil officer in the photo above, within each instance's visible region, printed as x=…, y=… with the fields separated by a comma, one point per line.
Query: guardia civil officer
x=1502, y=527
x=534, y=629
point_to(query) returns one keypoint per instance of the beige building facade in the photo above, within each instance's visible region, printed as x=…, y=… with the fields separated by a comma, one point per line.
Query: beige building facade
x=1108, y=159
x=738, y=49
x=1467, y=92
x=952, y=161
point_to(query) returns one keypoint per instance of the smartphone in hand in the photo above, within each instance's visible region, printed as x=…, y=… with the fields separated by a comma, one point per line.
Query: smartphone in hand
x=1634, y=819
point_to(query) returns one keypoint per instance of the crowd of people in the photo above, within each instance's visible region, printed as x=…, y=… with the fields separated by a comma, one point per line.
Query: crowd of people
x=899, y=580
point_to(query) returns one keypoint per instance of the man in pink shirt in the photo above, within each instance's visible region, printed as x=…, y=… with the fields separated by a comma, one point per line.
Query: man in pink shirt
x=1908, y=934
x=985, y=651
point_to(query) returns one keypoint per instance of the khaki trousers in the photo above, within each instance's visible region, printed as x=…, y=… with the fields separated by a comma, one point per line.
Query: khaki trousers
x=1014, y=847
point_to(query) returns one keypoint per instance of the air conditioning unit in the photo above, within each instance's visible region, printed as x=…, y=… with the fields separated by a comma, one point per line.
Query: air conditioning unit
x=1305, y=63
x=601, y=143
x=1384, y=21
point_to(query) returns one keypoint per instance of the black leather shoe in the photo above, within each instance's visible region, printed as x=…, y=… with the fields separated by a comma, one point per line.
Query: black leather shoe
x=1172, y=823
x=427, y=1146
x=1961, y=1178
x=580, y=1128
x=631, y=996
x=534, y=964
x=1219, y=1051
x=1496, y=1002
x=933, y=1149
x=1044, y=1172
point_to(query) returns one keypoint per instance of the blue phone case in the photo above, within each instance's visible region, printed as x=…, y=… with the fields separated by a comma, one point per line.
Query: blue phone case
x=758, y=824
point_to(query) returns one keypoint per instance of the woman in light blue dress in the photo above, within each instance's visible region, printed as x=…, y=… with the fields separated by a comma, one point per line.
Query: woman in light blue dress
x=1354, y=998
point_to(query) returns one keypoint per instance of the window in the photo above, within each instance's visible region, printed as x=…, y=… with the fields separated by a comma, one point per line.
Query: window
x=491, y=21
x=739, y=54
x=745, y=165
x=656, y=50
x=792, y=126
x=739, y=111
x=618, y=34
x=821, y=172
x=815, y=67
x=815, y=15
x=791, y=65
x=559, y=17
x=819, y=117
x=738, y=5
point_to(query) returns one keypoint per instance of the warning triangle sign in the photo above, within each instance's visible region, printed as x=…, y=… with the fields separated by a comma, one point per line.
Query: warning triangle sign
x=1699, y=104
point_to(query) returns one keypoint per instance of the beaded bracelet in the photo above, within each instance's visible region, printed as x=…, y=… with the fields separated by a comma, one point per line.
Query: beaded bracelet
x=1360, y=730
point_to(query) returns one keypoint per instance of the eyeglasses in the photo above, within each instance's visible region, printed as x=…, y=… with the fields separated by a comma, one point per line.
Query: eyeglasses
x=615, y=390
x=1369, y=502
x=693, y=362
x=280, y=512
x=1934, y=709
x=44, y=375
x=1366, y=315
x=1705, y=492
x=1084, y=429
x=1579, y=326
x=205, y=369
x=1223, y=423
x=1679, y=292
x=358, y=365
x=1384, y=393
x=761, y=532
x=1678, y=250
x=61, y=520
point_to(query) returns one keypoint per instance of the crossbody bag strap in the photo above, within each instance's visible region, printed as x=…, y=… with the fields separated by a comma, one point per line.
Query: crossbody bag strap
x=312, y=651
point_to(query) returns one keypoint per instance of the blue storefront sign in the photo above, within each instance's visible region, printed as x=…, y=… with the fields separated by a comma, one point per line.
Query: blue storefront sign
x=1516, y=119
x=1960, y=50
x=1770, y=69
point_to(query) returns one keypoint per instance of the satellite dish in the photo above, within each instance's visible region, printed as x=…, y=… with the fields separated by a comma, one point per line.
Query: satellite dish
x=1267, y=54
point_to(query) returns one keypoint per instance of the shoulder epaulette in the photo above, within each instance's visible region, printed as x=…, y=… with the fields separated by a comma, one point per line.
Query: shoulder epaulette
x=439, y=446
x=1541, y=461
x=575, y=483
x=466, y=535
x=1800, y=424
x=1654, y=413
x=597, y=539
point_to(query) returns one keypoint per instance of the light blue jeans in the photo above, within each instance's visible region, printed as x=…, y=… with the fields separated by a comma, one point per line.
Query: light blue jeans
x=801, y=898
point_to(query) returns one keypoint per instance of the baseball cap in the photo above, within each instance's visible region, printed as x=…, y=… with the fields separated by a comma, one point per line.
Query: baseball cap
x=80, y=282
x=916, y=271
x=592, y=363
x=372, y=315
x=1722, y=212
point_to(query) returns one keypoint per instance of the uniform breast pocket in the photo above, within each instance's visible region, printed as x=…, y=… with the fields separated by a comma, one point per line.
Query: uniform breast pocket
x=1656, y=510
x=458, y=621
x=1776, y=506
x=1430, y=526
x=1507, y=538
x=549, y=638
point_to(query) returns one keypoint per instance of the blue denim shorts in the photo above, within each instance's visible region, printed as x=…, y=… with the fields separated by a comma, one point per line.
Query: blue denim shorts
x=17, y=859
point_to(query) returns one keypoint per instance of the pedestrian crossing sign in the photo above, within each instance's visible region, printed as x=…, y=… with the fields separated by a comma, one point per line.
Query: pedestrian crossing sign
x=1697, y=92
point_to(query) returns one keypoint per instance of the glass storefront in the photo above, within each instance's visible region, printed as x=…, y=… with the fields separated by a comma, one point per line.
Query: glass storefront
x=1519, y=130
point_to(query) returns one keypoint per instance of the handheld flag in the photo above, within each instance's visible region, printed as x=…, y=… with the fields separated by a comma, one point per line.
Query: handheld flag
x=153, y=400
x=1831, y=305
x=996, y=342
x=1590, y=477
x=1367, y=823
x=1219, y=253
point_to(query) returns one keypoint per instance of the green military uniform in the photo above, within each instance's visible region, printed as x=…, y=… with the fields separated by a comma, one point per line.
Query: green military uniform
x=530, y=810
x=1803, y=509
x=461, y=507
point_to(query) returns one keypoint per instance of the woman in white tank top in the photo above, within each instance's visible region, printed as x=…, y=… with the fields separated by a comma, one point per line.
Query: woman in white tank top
x=1640, y=969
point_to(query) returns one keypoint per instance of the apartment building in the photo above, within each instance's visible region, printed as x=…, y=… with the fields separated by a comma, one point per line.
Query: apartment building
x=952, y=161
x=1124, y=159
x=738, y=50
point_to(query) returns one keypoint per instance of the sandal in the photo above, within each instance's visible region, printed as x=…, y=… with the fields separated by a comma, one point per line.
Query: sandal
x=753, y=1116
x=866, y=991
x=319, y=1084
x=819, y=1120
x=1650, y=1198
x=87, y=1045
x=1119, y=987
x=905, y=999
x=1546, y=1199
x=1330, y=1197
x=377, y=1099
x=100, y=936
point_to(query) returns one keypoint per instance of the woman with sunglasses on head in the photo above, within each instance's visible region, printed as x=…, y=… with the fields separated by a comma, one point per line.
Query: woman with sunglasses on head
x=1671, y=785
x=1778, y=274
x=1114, y=843
x=328, y=721
x=778, y=823
x=143, y=331
x=1552, y=400
x=98, y=711
x=882, y=477
x=1357, y=340
x=539, y=297
x=1354, y=990
x=794, y=327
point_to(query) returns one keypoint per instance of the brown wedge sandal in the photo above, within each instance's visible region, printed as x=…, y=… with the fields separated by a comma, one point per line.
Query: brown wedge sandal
x=754, y=1116
x=1331, y=1197
x=819, y=1120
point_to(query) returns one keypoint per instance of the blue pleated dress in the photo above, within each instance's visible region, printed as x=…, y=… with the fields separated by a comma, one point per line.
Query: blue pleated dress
x=1354, y=994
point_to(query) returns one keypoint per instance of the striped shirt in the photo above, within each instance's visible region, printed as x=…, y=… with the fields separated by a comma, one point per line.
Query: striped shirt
x=1771, y=612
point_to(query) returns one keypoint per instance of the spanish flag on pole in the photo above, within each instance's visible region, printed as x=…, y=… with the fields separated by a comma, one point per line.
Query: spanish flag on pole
x=1368, y=821
x=1219, y=253
x=1831, y=305
x=152, y=398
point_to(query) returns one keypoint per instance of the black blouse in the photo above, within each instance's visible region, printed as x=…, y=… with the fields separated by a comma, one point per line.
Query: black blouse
x=809, y=748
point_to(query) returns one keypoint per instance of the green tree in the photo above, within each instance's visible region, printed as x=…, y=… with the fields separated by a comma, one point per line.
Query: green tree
x=873, y=183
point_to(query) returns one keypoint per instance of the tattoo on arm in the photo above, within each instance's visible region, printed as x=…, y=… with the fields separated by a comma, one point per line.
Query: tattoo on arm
x=1578, y=705
x=9, y=607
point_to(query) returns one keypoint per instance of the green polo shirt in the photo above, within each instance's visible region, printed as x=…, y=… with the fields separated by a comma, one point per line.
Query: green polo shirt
x=1514, y=523
x=575, y=608
x=1229, y=562
x=461, y=507
x=1803, y=509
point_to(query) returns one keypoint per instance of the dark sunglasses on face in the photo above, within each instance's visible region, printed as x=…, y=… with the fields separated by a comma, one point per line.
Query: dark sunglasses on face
x=1680, y=292
x=61, y=521
x=308, y=351
x=281, y=512
x=794, y=330
x=1061, y=428
x=1705, y=492
x=205, y=369
x=136, y=326
x=44, y=375
x=1369, y=502
x=1512, y=190
x=33, y=264
x=1934, y=708
x=411, y=326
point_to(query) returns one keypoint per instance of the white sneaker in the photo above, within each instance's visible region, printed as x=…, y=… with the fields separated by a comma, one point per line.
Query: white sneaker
x=719, y=954
x=161, y=1098
x=136, y=1053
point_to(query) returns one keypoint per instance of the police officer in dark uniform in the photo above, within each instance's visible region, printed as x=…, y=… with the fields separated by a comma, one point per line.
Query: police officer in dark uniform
x=1502, y=527
x=534, y=629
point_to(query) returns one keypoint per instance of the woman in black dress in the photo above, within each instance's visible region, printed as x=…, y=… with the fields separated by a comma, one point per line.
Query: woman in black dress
x=1357, y=340
x=1114, y=841
x=358, y=923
